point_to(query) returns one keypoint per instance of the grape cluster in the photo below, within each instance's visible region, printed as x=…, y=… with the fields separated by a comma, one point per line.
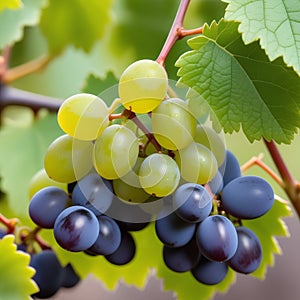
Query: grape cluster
x=110, y=174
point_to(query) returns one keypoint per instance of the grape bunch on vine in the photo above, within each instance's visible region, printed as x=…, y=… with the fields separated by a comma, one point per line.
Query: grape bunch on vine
x=115, y=155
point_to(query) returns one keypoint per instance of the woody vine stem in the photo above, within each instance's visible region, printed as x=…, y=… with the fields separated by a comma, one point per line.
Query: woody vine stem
x=12, y=96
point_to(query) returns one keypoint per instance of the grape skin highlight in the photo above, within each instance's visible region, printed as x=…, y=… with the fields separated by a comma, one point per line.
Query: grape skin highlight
x=115, y=152
x=173, y=125
x=83, y=116
x=159, y=175
x=143, y=85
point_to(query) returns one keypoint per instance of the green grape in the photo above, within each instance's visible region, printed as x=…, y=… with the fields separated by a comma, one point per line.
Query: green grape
x=143, y=85
x=213, y=141
x=159, y=175
x=173, y=125
x=197, y=163
x=128, y=192
x=132, y=177
x=68, y=159
x=40, y=180
x=115, y=152
x=83, y=116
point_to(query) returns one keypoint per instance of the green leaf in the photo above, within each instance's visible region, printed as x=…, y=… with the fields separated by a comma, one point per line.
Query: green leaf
x=106, y=88
x=80, y=23
x=15, y=275
x=266, y=228
x=21, y=155
x=10, y=4
x=148, y=257
x=276, y=23
x=12, y=22
x=240, y=86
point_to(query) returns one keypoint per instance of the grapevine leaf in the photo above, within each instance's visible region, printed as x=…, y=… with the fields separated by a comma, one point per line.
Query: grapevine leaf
x=27, y=146
x=14, y=21
x=138, y=270
x=15, y=275
x=276, y=23
x=106, y=88
x=79, y=24
x=10, y=4
x=240, y=86
x=266, y=228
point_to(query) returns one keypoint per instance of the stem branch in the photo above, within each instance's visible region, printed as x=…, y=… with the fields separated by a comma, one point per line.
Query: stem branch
x=175, y=32
x=290, y=185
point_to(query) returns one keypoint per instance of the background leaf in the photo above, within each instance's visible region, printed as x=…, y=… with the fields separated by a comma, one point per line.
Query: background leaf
x=21, y=156
x=12, y=22
x=10, y=4
x=15, y=264
x=276, y=23
x=240, y=85
x=79, y=23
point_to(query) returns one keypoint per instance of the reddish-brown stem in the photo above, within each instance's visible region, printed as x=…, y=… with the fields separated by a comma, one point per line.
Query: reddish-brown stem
x=257, y=161
x=132, y=116
x=4, y=59
x=115, y=116
x=290, y=185
x=175, y=32
x=186, y=32
x=25, y=69
x=9, y=223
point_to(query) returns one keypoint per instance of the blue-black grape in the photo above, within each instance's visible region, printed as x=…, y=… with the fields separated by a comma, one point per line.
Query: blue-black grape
x=125, y=252
x=70, y=277
x=248, y=255
x=173, y=231
x=182, y=259
x=192, y=202
x=247, y=197
x=109, y=237
x=217, y=238
x=209, y=272
x=2, y=233
x=131, y=226
x=94, y=193
x=230, y=168
x=49, y=273
x=76, y=228
x=216, y=184
x=46, y=205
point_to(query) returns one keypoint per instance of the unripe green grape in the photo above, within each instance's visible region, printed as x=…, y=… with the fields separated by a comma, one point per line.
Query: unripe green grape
x=115, y=152
x=68, y=159
x=173, y=125
x=41, y=180
x=83, y=116
x=209, y=138
x=159, y=175
x=128, y=192
x=197, y=164
x=143, y=85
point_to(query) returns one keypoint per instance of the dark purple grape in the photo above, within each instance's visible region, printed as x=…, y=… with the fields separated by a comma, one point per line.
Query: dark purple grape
x=217, y=238
x=247, y=197
x=70, y=277
x=76, y=228
x=182, y=259
x=173, y=231
x=248, y=255
x=125, y=252
x=192, y=202
x=49, y=273
x=109, y=237
x=46, y=205
x=209, y=272
x=230, y=169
